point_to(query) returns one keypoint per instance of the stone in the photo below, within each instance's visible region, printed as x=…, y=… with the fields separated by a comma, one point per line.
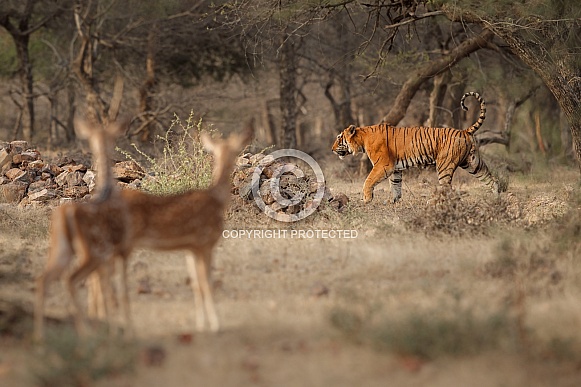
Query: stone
x=76, y=192
x=42, y=195
x=5, y=157
x=254, y=159
x=245, y=188
x=69, y=179
x=16, y=174
x=18, y=146
x=37, y=186
x=36, y=165
x=242, y=162
x=26, y=156
x=53, y=169
x=13, y=173
x=12, y=192
x=127, y=171
x=266, y=161
x=265, y=192
x=89, y=178
x=75, y=167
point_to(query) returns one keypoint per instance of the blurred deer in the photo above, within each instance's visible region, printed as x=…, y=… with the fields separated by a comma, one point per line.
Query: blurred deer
x=191, y=221
x=94, y=231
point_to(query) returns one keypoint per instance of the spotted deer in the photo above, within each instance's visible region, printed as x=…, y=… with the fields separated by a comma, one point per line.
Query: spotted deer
x=94, y=231
x=191, y=221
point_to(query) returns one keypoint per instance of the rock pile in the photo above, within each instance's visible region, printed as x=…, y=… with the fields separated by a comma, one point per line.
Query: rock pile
x=281, y=180
x=26, y=179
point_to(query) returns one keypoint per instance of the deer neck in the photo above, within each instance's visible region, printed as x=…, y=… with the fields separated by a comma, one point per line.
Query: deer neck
x=221, y=185
x=105, y=181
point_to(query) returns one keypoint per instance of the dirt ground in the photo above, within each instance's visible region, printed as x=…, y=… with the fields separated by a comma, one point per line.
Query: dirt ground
x=307, y=311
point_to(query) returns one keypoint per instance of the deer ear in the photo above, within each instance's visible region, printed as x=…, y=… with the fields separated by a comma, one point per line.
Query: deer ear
x=207, y=142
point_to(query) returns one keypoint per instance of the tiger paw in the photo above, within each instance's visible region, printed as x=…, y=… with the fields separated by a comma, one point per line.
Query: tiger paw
x=367, y=198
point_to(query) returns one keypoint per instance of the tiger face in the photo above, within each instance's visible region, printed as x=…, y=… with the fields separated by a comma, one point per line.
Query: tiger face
x=345, y=143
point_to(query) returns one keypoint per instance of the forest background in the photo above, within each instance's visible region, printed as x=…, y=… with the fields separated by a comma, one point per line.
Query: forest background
x=302, y=70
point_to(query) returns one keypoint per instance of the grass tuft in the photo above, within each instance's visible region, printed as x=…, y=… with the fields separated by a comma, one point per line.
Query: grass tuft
x=67, y=360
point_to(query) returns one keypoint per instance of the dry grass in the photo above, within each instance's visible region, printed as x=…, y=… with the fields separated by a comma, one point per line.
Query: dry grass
x=435, y=290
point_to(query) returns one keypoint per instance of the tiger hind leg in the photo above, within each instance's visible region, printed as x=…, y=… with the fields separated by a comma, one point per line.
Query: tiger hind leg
x=478, y=168
x=395, y=182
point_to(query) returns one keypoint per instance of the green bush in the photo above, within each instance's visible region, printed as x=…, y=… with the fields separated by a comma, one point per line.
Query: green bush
x=183, y=164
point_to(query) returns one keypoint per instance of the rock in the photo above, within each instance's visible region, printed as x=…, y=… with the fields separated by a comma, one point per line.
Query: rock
x=37, y=186
x=75, y=167
x=89, y=179
x=13, y=173
x=35, y=166
x=12, y=192
x=245, y=188
x=42, y=195
x=18, y=146
x=69, y=179
x=26, y=156
x=254, y=159
x=76, y=192
x=242, y=162
x=53, y=169
x=5, y=157
x=16, y=174
x=266, y=161
x=339, y=201
x=128, y=171
x=266, y=192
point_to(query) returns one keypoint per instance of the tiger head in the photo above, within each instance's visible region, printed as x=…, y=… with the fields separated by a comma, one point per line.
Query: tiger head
x=346, y=143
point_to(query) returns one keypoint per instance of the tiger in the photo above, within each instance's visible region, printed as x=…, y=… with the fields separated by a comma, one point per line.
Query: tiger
x=393, y=149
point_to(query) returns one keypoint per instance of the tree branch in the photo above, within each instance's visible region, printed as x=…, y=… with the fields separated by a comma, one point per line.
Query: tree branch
x=414, y=18
x=431, y=69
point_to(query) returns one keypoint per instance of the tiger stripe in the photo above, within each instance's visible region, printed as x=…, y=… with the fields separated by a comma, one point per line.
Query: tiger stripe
x=393, y=149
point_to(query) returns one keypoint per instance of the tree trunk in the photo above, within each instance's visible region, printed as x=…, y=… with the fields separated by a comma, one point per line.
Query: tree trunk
x=342, y=108
x=560, y=75
x=430, y=70
x=148, y=88
x=26, y=85
x=437, y=97
x=288, y=93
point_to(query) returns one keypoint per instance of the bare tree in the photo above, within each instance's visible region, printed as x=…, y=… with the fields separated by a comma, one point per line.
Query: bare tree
x=21, y=19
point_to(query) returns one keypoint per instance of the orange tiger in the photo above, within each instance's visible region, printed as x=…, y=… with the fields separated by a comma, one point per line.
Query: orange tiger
x=392, y=149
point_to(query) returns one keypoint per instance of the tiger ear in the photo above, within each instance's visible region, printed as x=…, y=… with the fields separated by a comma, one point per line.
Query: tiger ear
x=352, y=129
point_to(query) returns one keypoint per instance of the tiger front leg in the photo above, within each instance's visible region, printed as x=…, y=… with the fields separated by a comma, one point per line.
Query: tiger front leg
x=377, y=174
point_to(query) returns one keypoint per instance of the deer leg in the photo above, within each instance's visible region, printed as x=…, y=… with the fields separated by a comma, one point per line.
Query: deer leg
x=198, y=296
x=204, y=277
x=59, y=258
x=125, y=297
x=82, y=272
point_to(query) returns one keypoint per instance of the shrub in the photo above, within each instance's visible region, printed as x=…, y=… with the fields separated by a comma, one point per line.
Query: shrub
x=183, y=165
